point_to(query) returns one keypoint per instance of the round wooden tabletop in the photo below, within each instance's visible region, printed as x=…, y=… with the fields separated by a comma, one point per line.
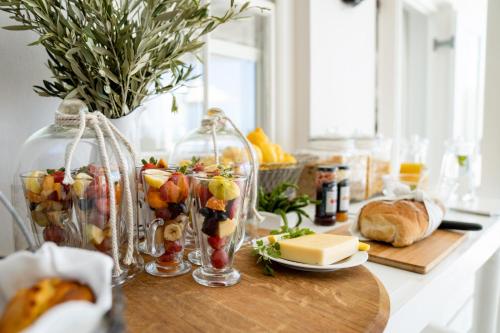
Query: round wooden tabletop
x=349, y=300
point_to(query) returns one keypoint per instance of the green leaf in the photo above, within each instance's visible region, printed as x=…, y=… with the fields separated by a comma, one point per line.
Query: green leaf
x=110, y=75
x=138, y=43
x=18, y=27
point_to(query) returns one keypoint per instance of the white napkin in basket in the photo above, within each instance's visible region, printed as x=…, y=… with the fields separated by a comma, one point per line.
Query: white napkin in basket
x=435, y=212
x=24, y=269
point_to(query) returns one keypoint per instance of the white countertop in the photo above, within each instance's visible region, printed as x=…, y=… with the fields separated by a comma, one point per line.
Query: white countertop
x=419, y=300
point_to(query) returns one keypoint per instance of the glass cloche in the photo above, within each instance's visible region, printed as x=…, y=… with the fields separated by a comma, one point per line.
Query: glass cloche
x=78, y=207
x=219, y=143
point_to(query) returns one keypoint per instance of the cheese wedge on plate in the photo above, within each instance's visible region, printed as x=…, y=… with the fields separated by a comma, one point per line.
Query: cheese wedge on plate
x=318, y=249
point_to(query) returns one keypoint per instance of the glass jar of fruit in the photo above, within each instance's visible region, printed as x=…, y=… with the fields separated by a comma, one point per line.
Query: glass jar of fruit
x=72, y=206
x=217, y=143
x=50, y=207
x=217, y=202
x=167, y=195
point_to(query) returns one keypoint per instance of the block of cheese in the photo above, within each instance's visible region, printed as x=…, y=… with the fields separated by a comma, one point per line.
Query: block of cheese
x=318, y=249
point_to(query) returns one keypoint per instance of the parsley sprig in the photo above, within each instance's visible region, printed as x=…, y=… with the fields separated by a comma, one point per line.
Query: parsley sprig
x=265, y=252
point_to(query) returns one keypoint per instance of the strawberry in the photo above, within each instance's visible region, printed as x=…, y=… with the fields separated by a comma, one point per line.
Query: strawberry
x=148, y=166
x=58, y=176
x=198, y=167
x=204, y=194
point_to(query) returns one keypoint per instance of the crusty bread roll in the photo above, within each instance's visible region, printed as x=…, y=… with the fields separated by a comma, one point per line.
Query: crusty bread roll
x=400, y=222
x=29, y=304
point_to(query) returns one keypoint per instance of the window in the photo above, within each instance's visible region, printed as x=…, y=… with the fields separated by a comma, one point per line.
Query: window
x=237, y=77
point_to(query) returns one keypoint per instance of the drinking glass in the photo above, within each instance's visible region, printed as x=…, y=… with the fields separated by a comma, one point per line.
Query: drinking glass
x=216, y=212
x=166, y=219
x=458, y=172
x=50, y=205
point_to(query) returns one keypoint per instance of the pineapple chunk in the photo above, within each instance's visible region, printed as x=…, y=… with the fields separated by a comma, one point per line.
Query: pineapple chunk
x=33, y=181
x=226, y=228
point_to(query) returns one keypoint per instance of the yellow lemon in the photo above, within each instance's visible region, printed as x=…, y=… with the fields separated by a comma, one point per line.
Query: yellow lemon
x=223, y=188
x=268, y=153
x=257, y=136
x=156, y=177
x=258, y=153
x=363, y=246
x=289, y=158
x=280, y=154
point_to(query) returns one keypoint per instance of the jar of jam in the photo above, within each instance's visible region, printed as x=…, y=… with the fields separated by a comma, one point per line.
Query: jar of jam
x=326, y=194
x=343, y=197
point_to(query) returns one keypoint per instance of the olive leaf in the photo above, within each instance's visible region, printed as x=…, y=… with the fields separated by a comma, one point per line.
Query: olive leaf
x=114, y=54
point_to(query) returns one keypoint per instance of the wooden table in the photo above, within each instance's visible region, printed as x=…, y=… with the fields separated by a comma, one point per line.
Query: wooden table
x=350, y=300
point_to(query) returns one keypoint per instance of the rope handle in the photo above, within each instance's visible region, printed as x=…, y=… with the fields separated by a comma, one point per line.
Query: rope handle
x=75, y=113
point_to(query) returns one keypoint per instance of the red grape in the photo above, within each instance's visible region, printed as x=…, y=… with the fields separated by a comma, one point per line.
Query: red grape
x=219, y=259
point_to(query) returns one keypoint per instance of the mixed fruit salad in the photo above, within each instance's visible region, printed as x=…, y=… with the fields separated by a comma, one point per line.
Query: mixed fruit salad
x=218, y=201
x=166, y=196
x=50, y=206
x=91, y=196
x=151, y=163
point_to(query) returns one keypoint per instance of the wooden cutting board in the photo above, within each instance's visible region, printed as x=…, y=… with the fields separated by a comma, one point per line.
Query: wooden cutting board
x=420, y=257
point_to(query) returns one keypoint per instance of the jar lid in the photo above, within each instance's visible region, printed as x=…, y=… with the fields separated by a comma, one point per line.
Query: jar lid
x=327, y=167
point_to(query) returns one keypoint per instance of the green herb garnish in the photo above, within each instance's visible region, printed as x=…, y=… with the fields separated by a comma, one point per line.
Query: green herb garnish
x=278, y=202
x=266, y=251
x=52, y=171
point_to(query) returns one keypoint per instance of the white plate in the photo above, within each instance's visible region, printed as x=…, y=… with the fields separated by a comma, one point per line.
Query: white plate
x=356, y=259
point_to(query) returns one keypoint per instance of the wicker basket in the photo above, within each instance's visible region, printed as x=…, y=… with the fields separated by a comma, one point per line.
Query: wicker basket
x=273, y=174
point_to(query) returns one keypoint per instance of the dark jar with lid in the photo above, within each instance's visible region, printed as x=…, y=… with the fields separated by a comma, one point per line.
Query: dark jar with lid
x=326, y=194
x=343, y=197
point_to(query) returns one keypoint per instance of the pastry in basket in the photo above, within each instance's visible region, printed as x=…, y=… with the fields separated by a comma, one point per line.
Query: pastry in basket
x=400, y=222
x=29, y=304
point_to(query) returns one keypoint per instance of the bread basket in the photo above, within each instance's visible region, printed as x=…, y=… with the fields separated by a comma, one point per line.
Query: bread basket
x=273, y=174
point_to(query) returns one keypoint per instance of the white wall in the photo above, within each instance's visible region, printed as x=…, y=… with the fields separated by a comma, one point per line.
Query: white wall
x=21, y=110
x=342, y=67
x=491, y=133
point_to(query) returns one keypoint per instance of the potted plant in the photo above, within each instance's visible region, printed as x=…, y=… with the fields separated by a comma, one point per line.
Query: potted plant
x=115, y=54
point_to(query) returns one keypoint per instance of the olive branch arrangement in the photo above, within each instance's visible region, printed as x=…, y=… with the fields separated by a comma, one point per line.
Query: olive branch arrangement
x=113, y=54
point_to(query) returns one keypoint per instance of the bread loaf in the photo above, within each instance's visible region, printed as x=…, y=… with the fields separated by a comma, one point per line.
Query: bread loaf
x=400, y=222
x=31, y=303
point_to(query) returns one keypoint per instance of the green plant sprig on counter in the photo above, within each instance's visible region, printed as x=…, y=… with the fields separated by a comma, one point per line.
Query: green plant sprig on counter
x=277, y=202
x=266, y=251
x=114, y=54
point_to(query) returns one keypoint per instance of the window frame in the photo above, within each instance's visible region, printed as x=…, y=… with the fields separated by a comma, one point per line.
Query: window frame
x=265, y=72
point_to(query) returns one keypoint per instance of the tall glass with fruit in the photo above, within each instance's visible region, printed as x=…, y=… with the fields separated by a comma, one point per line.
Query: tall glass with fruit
x=216, y=207
x=219, y=143
x=167, y=196
x=50, y=207
x=142, y=207
x=92, y=205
